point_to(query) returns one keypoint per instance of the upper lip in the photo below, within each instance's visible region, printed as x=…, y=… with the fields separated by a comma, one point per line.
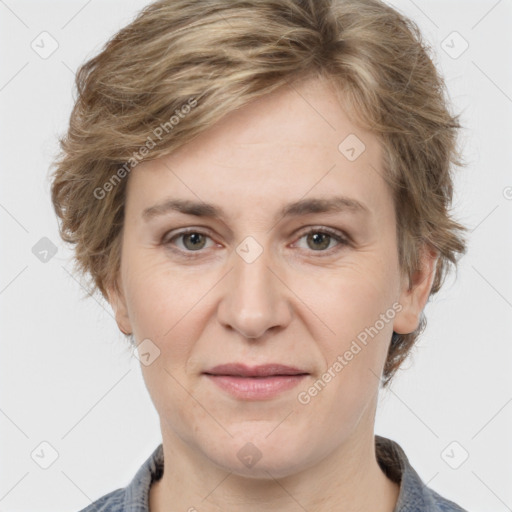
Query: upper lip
x=264, y=370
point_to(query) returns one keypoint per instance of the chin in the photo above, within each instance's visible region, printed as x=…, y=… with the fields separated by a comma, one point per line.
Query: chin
x=261, y=457
x=265, y=469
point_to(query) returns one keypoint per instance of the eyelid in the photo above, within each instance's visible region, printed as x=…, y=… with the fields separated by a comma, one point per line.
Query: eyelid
x=341, y=237
x=324, y=229
x=185, y=231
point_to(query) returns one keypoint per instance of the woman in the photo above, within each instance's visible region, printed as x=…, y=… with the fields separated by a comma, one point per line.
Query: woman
x=261, y=191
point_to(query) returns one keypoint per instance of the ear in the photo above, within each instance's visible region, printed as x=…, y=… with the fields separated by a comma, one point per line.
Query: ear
x=415, y=292
x=117, y=301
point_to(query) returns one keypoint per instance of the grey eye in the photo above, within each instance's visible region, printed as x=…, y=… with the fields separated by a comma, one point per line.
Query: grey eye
x=318, y=240
x=193, y=241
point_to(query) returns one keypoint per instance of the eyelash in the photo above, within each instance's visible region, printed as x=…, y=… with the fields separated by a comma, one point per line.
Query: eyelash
x=337, y=236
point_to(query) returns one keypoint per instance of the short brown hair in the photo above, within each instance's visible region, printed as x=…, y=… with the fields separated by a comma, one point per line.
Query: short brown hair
x=217, y=55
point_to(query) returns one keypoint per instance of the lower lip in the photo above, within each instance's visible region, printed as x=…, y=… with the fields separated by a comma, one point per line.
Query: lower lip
x=256, y=388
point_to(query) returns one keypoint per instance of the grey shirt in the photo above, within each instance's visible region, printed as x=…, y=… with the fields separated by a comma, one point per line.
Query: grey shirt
x=414, y=495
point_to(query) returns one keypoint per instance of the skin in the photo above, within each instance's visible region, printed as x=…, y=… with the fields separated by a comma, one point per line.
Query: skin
x=295, y=304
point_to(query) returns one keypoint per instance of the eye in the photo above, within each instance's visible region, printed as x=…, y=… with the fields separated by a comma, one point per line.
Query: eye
x=319, y=239
x=193, y=240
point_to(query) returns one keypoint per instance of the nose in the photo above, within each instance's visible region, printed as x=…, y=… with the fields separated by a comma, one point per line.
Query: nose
x=255, y=298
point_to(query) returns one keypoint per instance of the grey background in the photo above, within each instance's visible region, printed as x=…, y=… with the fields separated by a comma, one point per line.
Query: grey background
x=67, y=378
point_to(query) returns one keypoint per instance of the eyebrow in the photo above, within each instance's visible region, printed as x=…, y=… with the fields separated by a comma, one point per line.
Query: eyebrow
x=295, y=209
x=301, y=207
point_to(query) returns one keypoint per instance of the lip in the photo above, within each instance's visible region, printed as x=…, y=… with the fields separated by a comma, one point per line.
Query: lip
x=255, y=382
x=263, y=370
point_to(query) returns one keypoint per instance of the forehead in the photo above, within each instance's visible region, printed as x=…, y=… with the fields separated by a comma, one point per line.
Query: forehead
x=293, y=142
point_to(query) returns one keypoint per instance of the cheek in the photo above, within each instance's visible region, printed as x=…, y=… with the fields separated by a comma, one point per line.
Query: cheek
x=356, y=304
x=354, y=297
x=155, y=297
x=168, y=306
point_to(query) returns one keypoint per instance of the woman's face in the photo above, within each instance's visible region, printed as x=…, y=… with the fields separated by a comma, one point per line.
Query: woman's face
x=254, y=285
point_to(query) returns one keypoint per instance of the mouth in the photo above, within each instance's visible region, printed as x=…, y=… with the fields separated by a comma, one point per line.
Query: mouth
x=255, y=382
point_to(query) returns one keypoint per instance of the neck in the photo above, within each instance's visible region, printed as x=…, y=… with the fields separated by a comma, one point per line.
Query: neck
x=347, y=479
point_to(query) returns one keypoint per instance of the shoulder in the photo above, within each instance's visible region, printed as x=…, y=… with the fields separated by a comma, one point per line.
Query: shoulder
x=415, y=495
x=111, y=502
x=135, y=496
x=442, y=504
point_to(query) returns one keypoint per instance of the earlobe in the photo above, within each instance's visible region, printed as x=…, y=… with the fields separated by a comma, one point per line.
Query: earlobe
x=415, y=293
x=118, y=303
